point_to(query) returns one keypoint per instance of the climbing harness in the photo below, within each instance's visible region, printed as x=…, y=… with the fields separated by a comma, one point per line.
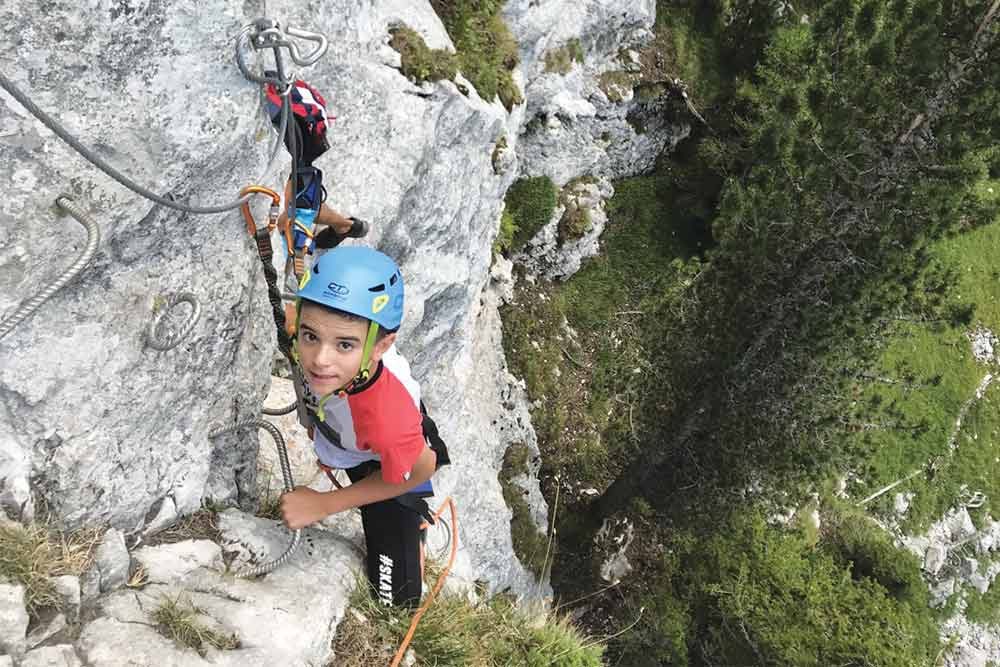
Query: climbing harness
x=299, y=232
x=153, y=338
x=286, y=476
x=67, y=205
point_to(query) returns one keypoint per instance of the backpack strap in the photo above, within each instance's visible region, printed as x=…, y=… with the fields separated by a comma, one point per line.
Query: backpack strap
x=433, y=437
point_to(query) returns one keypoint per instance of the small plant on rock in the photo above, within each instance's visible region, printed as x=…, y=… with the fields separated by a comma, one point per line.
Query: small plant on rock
x=178, y=620
x=32, y=555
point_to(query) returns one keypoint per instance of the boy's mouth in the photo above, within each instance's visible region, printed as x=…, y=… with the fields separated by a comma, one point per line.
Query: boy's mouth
x=321, y=378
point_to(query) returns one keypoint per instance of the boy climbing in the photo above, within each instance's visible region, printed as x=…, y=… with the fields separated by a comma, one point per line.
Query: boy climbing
x=356, y=395
x=366, y=414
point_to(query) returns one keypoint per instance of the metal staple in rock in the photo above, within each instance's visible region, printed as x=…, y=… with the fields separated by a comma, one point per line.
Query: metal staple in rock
x=152, y=334
x=286, y=474
x=93, y=239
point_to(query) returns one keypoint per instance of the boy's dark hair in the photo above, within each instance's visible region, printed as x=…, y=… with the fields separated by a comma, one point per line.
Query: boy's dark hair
x=382, y=331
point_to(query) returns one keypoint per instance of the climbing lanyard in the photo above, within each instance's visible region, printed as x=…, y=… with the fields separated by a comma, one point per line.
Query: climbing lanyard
x=299, y=231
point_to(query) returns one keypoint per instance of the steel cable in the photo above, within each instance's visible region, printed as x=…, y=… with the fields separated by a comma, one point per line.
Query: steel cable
x=93, y=240
x=277, y=412
x=99, y=162
x=286, y=474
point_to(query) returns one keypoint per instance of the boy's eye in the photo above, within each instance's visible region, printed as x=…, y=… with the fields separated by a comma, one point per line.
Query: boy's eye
x=345, y=346
x=309, y=336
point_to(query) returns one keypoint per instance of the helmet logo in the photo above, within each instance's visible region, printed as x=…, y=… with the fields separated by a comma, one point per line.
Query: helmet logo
x=338, y=289
x=379, y=302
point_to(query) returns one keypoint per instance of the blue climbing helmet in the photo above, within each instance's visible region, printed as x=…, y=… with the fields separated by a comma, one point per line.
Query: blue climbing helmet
x=357, y=280
x=360, y=281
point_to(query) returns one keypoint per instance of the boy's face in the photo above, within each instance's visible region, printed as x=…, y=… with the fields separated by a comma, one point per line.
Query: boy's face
x=330, y=348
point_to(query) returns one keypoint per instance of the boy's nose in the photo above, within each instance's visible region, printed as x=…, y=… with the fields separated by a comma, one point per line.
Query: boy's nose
x=325, y=356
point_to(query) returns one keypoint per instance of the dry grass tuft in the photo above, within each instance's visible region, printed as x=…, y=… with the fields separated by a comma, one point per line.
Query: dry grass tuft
x=178, y=620
x=202, y=525
x=31, y=555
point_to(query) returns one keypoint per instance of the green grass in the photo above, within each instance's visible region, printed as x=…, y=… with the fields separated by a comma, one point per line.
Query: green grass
x=587, y=386
x=486, y=50
x=694, y=56
x=936, y=374
x=505, y=233
x=530, y=203
x=420, y=62
x=530, y=545
x=455, y=632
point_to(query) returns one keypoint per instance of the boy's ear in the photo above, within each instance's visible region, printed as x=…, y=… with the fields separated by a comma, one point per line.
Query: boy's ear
x=382, y=346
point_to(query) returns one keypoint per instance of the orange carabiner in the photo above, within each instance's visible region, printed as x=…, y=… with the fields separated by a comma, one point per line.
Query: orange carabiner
x=248, y=216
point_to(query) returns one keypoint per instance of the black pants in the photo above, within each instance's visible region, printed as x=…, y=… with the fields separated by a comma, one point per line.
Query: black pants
x=394, y=542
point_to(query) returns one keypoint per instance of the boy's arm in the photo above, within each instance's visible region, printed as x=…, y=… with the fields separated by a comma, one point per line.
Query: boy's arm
x=304, y=506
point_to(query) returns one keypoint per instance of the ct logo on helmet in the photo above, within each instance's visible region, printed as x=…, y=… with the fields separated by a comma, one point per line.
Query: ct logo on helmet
x=379, y=302
x=338, y=289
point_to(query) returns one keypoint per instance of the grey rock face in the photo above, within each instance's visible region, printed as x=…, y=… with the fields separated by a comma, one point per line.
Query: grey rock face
x=111, y=563
x=103, y=428
x=52, y=656
x=45, y=630
x=68, y=589
x=286, y=617
x=935, y=558
x=13, y=618
x=580, y=122
x=106, y=429
x=167, y=563
x=98, y=422
x=550, y=254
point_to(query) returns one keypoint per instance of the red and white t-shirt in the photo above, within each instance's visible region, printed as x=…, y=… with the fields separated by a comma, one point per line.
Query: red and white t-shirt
x=381, y=422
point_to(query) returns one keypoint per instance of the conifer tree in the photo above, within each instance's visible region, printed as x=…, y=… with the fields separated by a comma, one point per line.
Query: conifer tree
x=856, y=142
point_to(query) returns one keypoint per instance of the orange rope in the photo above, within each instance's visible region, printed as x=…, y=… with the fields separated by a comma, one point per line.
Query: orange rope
x=449, y=503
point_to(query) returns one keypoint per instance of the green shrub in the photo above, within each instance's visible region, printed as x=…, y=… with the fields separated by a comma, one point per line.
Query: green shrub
x=860, y=544
x=420, y=62
x=560, y=60
x=530, y=202
x=505, y=234
x=530, y=545
x=615, y=84
x=574, y=223
x=795, y=605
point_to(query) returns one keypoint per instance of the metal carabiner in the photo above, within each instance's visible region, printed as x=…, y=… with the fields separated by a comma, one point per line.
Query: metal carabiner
x=313, y=56
x=243, y=41
x=266, y=33
x=272, y=218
